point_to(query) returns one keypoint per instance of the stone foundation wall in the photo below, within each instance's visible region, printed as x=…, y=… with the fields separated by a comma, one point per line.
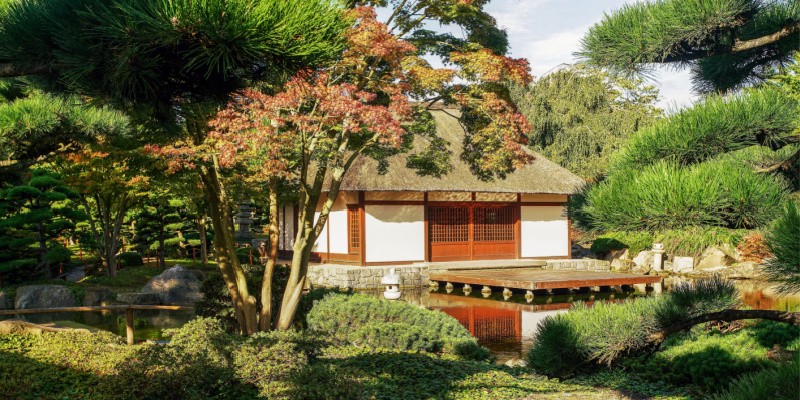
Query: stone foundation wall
x=365, y=278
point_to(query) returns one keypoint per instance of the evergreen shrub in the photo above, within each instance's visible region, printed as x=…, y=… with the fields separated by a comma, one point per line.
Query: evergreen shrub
x=130, y=259
x=689, y=242
x=379, y=323
x=709, y=359
x=783, y=241
x=779, y=383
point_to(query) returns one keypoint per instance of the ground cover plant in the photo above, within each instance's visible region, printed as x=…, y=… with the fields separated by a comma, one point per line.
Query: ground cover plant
x=202, y=361
x=689, y=242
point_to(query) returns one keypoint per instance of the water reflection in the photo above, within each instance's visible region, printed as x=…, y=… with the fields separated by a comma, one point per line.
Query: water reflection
x=507, y=327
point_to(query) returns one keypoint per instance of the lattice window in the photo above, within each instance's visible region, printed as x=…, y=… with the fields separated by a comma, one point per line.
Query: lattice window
x=354, y=228
x=448, y=224
x=494, y=224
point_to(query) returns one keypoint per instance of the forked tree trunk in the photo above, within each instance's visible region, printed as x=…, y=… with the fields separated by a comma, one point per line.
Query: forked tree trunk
x=225, y=248
x=265, y=321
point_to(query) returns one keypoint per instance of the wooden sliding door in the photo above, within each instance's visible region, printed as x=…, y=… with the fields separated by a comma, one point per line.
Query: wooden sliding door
x=472, y=232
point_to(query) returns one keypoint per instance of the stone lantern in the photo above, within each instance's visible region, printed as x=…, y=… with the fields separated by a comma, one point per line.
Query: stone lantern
x=392, y=283
x=658, y=252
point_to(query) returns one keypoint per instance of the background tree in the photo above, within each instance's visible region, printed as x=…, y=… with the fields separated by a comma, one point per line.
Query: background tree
x=580, y=116
x=110, y=184
x=32, y=217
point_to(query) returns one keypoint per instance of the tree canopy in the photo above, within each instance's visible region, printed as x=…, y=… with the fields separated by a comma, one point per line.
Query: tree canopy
x=580, y=116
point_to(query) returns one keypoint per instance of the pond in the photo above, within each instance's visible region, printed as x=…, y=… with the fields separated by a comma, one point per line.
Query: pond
x=504, y=325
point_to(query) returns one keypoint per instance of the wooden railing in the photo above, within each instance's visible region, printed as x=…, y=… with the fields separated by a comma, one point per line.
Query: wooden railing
x=129, y=308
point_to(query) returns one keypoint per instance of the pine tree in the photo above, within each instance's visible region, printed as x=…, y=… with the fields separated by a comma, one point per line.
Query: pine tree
x=32, y=216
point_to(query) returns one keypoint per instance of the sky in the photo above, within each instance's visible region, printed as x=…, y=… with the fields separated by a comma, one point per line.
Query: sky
x=548, y=32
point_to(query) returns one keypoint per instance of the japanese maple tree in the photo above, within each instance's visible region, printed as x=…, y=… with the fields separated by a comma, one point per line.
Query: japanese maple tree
x=314, y=127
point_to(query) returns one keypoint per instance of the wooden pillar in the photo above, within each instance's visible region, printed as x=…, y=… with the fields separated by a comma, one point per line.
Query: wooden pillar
x=427, y=232
x=518, y=324
x=518, y=227
x=362, y=229
x=129, y=325
x=569, y=230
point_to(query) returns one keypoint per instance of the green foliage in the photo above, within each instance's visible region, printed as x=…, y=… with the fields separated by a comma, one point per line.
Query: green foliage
x=606, y=333
x=783, y=241
x=716, y=125
x=708, y=359
x=366, y=319
x=666, y=195
x=779, y=383
x=130, y=259
x=580, y=116
x=701, y=34
x=690, y=299
x=32, y=216
x=689, y=242
x=243, y=254
x=189, y=46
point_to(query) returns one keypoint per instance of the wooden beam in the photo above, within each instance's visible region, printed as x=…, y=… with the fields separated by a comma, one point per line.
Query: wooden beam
x=427, y=230
x=362, y=227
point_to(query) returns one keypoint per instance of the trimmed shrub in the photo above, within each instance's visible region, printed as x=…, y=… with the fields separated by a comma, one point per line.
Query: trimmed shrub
x=130, y=259
x=243, y=255
x=783, y=241
x=359, y=317
x=690, y=242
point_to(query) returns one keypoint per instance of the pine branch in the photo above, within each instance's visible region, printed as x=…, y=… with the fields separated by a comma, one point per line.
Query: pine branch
x=10, y=70
x=727, y=316
x=785, y=164
x=742, y=45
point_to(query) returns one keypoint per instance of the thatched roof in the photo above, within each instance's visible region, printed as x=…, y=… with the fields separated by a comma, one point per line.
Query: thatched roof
x=542, y=176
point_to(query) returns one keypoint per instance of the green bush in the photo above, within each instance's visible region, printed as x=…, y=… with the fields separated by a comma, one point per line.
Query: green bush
x=243, y=255
x=779, y=383
x=783, y=241
x=707, y=359
x=358, y=317
x=130, y=259
x=667, y=195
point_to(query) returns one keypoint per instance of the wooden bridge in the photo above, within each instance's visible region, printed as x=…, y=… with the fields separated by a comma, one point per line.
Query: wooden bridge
x=538, y=279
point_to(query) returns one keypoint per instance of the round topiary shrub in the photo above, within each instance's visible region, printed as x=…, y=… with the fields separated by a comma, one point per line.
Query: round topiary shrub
x=380, y=323
x=130, y=259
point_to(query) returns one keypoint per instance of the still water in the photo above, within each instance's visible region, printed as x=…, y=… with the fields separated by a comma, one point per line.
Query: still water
x=507, y=326
x=504, y=325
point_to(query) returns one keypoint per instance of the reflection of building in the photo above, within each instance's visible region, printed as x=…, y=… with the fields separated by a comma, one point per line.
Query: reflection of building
x=402, y=217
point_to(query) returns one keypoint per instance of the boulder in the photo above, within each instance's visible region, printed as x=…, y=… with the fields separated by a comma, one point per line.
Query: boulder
x=745, y=270
x=43, y=296
x=6, y=301
x=614, y=254
x=516, y=362
x=682, y=265
x=139, y=298
x=175, y=285
x=644, y=259
x=95, y=296
x=641, y=269
x=15, y=326
x=715, y=256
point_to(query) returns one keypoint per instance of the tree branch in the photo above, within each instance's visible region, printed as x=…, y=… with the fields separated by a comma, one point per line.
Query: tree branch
x=785, y=164
x=742, y=45
x=727, y=316
x=11, y=70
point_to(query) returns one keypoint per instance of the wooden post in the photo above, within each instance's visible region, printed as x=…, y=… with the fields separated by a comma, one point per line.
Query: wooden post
x=148, y=257
x=129, y=324
x=61, y=268
x=251, y=256
x=80, y=253
x=194, y=258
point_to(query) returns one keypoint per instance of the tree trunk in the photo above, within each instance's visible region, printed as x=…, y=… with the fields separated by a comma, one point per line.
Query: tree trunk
x=162, y=249
x=201, y=226
x=225, y=248
x=265, y=322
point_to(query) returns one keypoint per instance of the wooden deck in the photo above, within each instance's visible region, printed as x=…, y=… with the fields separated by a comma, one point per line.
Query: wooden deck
x=537, y=279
